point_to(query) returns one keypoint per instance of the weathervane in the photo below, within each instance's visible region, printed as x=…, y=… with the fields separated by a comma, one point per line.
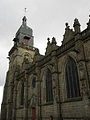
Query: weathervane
x=25, y=11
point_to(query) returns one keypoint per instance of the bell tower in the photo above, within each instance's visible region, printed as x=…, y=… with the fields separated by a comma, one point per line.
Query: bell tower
x=23, y=45
x=21, y=54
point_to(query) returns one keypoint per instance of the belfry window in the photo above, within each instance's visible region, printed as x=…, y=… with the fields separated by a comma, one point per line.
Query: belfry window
x=49, y=92
x=26, y=40
x=22, y=94
x=72, y=80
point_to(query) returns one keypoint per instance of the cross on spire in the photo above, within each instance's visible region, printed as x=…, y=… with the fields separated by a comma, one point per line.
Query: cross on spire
x=25, y=10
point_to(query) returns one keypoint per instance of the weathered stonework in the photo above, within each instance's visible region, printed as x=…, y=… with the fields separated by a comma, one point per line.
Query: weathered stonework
x=25, y=88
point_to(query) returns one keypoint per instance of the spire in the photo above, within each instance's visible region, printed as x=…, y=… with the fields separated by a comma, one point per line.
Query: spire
x=76, y=26
x=25, y=33
x=24, y=21
x=54, y=41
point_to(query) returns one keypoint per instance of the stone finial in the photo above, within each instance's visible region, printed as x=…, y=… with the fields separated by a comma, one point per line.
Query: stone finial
x=54, y=41
x=67, y=26
x=48, y=43
x=88, y=24
x=76, y=26
x=37, y=51
x=67, y=29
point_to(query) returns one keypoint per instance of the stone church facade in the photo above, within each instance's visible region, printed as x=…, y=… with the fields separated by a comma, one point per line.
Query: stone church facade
x=56, y=84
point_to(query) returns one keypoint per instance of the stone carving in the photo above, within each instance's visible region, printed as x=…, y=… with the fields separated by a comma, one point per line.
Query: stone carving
x=76, y=26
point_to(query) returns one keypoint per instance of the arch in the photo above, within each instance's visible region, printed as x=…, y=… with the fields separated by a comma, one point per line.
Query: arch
x=45, y=70
x=33, y=80
x=72, y=79
x=44, y=88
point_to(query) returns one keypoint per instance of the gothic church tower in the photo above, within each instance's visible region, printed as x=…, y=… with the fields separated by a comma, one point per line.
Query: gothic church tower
x=20, y=55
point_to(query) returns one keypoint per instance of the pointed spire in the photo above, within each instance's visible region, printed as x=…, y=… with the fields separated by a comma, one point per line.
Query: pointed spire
x=24, y=21
x=76, y=26
x=54, y=41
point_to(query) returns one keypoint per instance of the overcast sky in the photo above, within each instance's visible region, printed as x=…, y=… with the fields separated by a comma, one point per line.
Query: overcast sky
x=47, y=18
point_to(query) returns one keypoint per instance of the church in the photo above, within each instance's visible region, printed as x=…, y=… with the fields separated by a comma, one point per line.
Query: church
x=54, y=86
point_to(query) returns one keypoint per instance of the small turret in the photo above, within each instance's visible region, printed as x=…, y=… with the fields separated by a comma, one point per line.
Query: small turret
x=54, y=41
x=24, y=21
x=76, y=26
x=51, y=46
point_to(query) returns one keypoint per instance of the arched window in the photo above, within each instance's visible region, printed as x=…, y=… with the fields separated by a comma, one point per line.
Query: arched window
x=22, y=94
x=49, y=92
x=72, y=80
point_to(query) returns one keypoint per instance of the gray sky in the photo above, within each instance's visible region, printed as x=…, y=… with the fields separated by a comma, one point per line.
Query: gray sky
x=47, y=18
